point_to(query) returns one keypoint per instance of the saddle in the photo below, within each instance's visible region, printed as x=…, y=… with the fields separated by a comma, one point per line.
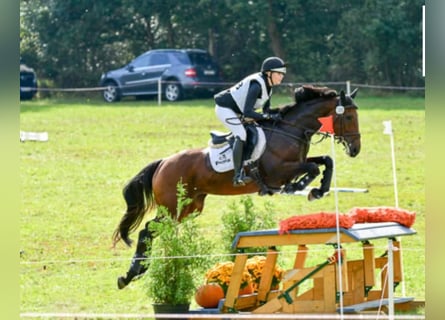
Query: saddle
x=219, y=139
x=310, y=92
x=220, y=153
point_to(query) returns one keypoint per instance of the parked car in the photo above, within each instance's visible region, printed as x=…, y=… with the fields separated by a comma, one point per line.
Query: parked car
x=28, y=82
x=182, y=72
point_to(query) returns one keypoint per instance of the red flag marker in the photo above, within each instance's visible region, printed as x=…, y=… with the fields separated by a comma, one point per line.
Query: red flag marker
x=327, y=124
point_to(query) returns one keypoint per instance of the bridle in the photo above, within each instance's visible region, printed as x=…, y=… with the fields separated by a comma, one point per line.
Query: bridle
x=340, y=116
x=339, y=137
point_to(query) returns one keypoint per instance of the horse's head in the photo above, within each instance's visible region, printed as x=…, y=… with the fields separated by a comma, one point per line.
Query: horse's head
x=346, y=127
x=312, y=103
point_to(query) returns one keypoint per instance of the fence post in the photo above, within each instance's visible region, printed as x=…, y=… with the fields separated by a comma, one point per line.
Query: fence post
x=159, y=91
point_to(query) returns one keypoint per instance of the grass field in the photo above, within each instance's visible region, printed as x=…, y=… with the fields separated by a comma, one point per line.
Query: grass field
x=71, y=190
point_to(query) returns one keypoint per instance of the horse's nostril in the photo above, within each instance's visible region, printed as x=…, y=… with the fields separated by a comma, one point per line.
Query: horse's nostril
x=355, y=151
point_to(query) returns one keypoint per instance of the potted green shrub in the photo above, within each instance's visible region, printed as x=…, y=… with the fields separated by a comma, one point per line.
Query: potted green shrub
x=179, y=258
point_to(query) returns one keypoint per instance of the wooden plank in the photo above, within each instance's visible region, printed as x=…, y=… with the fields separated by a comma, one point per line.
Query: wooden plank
x=376, y=294
x=307, y=306
x=356, y=293
x=397, y=259
x=356, y=308
x=267, y=275
x=246, y=301
x=329, y=293
x=344, y=275
x=300, y=259
x=249, y=301
x=235, y=281
x=271, y=306
x=319, y=287
x=294, y=275
x=369, y=264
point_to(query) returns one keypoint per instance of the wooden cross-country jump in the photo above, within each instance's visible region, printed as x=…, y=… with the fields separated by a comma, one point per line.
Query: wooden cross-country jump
x=361, y=290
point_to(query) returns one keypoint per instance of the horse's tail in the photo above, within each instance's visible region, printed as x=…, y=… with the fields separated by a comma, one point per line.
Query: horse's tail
x=138, y=194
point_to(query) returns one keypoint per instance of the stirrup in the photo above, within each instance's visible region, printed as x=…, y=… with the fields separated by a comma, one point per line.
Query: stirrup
x=247, y=179
x=238, y=182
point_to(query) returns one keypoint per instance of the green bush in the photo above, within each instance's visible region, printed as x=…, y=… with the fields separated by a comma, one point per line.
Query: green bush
x=244, y=216
x=179, y=256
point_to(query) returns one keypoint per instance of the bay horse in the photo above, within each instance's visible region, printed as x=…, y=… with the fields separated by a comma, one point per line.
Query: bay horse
x=283, y=167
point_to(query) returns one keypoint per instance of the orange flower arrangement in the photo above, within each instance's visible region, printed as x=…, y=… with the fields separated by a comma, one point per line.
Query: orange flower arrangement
x=221, y=272
x=255, y=267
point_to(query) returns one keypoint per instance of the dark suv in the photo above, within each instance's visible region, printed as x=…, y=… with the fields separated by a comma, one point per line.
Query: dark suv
x=28, y=82
x=181, y=71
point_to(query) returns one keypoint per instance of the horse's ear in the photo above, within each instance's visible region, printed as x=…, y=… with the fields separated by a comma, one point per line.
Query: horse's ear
x=342, y=98
x=354, y=93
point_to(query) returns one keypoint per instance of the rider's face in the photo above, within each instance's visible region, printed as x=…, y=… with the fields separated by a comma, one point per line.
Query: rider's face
x=276, y=78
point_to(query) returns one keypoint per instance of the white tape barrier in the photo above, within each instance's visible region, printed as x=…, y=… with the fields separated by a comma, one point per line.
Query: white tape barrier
x=306, y=191
x=33, y=136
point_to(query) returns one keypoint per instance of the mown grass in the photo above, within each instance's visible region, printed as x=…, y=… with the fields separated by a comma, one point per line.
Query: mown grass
x=72, y=202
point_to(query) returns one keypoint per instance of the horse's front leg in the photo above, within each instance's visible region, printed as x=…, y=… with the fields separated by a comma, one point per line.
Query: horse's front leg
x=316, y=193
x=311, y=170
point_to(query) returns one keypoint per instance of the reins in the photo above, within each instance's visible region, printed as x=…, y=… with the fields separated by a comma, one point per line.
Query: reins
x=274, y=129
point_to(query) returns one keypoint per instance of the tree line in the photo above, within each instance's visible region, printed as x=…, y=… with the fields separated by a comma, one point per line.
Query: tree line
x=71, y=42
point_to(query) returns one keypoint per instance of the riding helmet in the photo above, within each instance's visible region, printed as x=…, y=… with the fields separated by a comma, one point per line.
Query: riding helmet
x=273, y=64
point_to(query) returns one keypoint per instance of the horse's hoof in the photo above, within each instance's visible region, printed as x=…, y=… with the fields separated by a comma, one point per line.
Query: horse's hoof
x=121, y=283
x=310, y=197
x=314, y=194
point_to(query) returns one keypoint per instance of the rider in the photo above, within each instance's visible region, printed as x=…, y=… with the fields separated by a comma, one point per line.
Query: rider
x=241, y=100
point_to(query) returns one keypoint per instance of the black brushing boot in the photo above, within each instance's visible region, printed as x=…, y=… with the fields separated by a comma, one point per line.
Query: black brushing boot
x=138, y=263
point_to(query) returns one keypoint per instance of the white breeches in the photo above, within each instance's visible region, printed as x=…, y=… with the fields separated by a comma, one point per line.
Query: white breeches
x=231, y=121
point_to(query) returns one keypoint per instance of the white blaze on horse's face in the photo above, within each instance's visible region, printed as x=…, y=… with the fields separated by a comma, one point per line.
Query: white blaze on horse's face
x=340, y=110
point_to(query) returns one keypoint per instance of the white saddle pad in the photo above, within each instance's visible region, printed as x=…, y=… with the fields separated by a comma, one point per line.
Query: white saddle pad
x=221, y=156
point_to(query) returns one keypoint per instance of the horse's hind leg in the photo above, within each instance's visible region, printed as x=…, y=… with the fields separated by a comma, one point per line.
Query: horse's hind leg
x=197, y=205
x=139, y=263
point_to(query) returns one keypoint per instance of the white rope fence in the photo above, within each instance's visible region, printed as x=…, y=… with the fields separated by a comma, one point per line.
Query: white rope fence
x=227, y=84
x=216, y=255
x=223, y=85
x=225, y=316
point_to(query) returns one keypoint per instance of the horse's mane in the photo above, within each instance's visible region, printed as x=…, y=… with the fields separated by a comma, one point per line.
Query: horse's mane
x=310, y=92
x=307, y=93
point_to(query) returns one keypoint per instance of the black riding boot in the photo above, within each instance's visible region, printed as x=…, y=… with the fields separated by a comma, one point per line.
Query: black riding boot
x=138, y=264
x=239, y=178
